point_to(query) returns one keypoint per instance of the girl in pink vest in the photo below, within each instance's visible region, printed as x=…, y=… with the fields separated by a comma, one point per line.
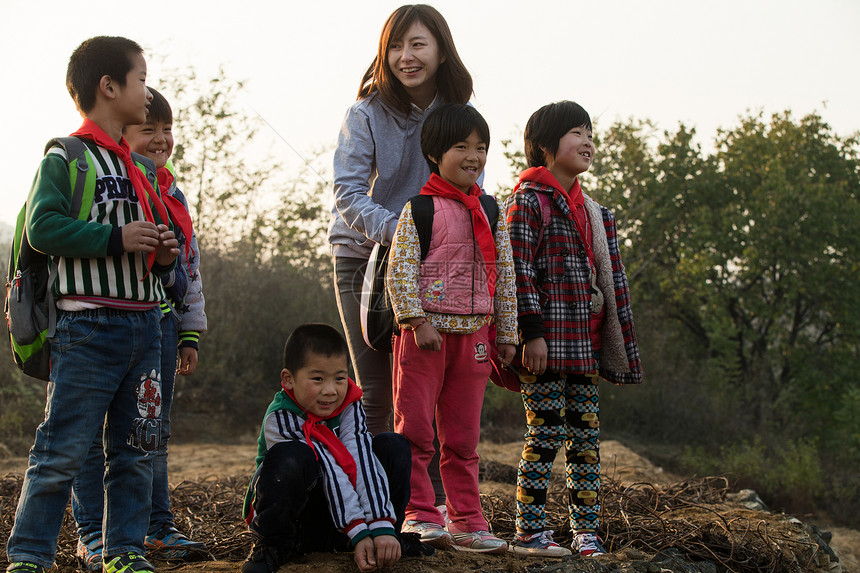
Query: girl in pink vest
x=444, y=306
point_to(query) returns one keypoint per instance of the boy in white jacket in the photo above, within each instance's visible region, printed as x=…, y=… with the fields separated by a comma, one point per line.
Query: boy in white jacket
x=322, y=482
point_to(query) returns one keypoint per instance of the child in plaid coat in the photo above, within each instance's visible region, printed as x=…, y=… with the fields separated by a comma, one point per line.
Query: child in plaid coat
x=575, y=322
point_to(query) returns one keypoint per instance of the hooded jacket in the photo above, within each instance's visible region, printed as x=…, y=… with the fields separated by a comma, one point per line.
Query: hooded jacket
x=554, y=298
x=359, y=510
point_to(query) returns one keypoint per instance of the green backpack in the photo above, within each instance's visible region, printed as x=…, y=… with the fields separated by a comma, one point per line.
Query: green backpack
x=31, y=312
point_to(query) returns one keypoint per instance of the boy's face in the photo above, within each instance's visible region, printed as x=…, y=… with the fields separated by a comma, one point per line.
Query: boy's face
x=133, y=98
x=320, y=385
x=153, y=139
x=575, y=153
x=464, y=162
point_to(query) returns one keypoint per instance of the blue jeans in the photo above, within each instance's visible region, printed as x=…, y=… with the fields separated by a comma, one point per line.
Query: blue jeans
x=105, y=372
x=88, y=487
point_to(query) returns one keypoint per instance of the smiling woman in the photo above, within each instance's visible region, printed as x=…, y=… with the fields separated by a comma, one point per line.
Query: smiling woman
x=378, y=165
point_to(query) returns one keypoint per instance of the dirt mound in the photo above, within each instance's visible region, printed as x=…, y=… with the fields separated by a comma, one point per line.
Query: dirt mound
x=651, y=521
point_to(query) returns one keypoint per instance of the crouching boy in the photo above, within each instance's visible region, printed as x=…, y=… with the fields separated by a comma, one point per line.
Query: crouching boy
x=323, y=483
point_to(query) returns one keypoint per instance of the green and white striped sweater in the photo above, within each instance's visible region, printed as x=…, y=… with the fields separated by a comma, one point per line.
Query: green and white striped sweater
x=92, y=264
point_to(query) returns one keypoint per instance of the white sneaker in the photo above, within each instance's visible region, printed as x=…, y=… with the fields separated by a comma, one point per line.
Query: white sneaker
x=587, y=545
x=443, y=509
x=477, y=541
x=540, y=544
x=430, y=533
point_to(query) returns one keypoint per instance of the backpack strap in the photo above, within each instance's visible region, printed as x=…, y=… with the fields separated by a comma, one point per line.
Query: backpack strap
x=149, y=168
x=423, y=212
x=491, y=208
x=76, y=152
x=545, y=212
x=82, y=179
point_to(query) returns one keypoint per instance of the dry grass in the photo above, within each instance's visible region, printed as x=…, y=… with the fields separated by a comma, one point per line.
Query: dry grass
x=692, y=517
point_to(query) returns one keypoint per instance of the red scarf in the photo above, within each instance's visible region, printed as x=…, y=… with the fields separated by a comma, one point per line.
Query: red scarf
x=483, y=233
x=178, y=213
x=312, y=428
x=575, y=202
x=145, y=193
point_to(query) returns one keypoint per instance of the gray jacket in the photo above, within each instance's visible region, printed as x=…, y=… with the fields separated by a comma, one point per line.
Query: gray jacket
x=378, y=166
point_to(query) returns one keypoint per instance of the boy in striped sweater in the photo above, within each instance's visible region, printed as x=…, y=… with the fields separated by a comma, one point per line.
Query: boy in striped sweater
x=322, y=482
x=106, y=354
x=184, y=320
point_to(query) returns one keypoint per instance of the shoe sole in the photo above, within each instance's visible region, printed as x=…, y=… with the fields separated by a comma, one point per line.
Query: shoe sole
x=82, y=565
x=493, y=551
x=442, y=542
x=539, y=552
x=182, y=555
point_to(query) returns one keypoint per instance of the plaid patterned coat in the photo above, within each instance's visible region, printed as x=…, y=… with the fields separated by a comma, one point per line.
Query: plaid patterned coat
x=554, y=296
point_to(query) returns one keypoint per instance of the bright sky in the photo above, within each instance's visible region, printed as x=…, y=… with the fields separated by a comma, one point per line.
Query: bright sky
x=703, y=63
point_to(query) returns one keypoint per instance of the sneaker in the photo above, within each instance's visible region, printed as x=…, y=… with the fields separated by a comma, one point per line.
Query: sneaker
x=89, y=552
x=128, y=563
x=411, y=546
x=443, y=509
x=478, y=541
x=430, y=533
x=587, y=545
x=266, y=558
x=170, y=543
x=539, y=543
x=25, y=567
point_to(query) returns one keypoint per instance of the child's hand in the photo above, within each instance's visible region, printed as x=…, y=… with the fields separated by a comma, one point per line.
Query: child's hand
x=365, y=555
x=168, y=246
x=506, y=353
x=139, y=237
x=187, y=360
x=373, y=554
x=534, y=355
x=387, y=550
x=427, y=337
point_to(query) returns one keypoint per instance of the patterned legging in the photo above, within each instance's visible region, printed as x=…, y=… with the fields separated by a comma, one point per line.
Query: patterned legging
x=560, y=410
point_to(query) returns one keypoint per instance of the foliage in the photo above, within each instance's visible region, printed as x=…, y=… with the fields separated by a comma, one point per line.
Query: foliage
x=251, y=307
x=502, y=416
x=789, y=476
x=746, y=260
x=743, y=264
x=265, y=270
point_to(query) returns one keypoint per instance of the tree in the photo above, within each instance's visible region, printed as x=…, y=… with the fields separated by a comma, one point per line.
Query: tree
x=743, y=266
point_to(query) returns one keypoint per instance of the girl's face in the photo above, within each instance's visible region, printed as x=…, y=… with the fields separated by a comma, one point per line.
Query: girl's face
x=575, y=153
x=414, y=60
x=464, y=162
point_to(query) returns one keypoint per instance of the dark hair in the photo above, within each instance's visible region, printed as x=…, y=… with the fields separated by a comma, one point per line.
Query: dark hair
x=447, y=125
x=453, y=80
x=159, y=109
x=548, y=125
x=312, y=337
x=94, y=58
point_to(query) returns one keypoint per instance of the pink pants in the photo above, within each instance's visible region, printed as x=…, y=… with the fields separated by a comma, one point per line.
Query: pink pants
x=448, y=384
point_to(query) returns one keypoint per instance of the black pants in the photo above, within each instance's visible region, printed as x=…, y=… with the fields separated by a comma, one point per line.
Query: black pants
x=290, y=505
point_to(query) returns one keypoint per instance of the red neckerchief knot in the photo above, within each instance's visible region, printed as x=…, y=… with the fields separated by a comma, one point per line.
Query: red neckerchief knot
x=480, y=224
x=314, y=429
x=575, y=202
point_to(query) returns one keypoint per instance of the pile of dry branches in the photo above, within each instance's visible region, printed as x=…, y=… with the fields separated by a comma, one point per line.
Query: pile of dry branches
x=691, y=517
